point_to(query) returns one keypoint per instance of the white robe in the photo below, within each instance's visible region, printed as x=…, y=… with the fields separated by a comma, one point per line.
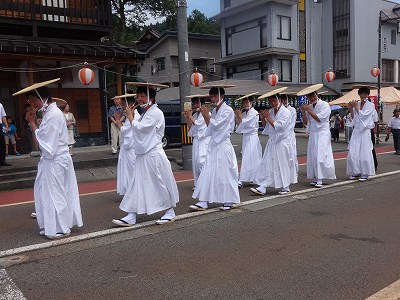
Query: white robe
x=251, y=146
x=153, y=187
x=126, y=157
x=320, y=163
x=277, y=168
x=218, y=181
x=56, y=192
x=360, y=160
x=293, y=119
x=200, y=145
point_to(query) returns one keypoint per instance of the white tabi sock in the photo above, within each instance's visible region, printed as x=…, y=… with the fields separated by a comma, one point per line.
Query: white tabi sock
x=262, y=189
x=203, y=204
x=286, y=188
x=319, y=181
x=169, y=214
x=130, y=218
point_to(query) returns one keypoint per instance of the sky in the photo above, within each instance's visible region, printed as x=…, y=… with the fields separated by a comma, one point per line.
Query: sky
x=208, y=7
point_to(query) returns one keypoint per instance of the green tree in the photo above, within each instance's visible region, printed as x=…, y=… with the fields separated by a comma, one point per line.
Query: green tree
x=130, y=16
x=199, y=23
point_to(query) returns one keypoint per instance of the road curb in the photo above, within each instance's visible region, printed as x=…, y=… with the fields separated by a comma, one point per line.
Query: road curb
x=98, y=234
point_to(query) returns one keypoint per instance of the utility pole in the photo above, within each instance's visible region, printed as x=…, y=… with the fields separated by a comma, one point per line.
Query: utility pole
x=379, y=108
x=184, y=79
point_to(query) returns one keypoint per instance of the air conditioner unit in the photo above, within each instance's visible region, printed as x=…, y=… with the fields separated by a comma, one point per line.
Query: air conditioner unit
x=212, y=69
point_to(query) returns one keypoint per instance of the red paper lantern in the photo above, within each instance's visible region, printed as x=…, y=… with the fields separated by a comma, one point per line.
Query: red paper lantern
x=330, y=75
x=273, y=78
x=196, y=79
x=375, y=71
x=86, y=75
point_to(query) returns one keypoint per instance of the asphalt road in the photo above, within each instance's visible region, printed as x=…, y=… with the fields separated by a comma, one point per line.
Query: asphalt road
x=340, y=242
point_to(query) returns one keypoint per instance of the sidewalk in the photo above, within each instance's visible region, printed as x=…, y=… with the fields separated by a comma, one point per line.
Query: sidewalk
x=97, y=163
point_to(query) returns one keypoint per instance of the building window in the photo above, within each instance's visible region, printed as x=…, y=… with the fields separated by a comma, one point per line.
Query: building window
x=341, y=38
x=285, y=31
x=229, y=41
x=83, y=109
x=285, y=70
x=249, y=70
x=160, y=63
x=227, y=3
x=200, y=64
x=260, y=24
x=174, y=62
x=387, y=70
x=393, y=35
x=263, y=33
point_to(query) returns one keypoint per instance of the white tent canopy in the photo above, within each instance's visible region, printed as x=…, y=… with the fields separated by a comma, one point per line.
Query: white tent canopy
x=389, y=95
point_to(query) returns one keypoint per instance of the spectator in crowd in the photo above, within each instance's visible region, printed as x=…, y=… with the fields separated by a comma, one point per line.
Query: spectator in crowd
x=3, y=120
x=335, y=125
x=394, y=128
x=348, y=129
x=71, y=123
x=27, y=129
x=115, y=133
x=11, y=136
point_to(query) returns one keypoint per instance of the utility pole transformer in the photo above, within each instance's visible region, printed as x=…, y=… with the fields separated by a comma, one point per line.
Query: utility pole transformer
x=184, y=79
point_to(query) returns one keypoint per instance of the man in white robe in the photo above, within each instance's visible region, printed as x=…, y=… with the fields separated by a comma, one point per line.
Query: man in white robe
x=153, y=187
x=360, y=160
x=294, y=162
x=320, y=163
x=56, y=193
x=127, y=155
x=218, y=181
x=198, y=127
x=247, y=120
x=275, y=169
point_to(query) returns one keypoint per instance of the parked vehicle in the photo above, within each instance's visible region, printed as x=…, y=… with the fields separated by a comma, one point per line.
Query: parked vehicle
x=172, y=113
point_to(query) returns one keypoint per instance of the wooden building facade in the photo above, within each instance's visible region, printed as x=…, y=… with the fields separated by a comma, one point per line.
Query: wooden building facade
x=45, y=39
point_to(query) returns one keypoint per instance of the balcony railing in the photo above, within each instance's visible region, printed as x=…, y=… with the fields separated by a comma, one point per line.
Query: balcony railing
x=90, y=12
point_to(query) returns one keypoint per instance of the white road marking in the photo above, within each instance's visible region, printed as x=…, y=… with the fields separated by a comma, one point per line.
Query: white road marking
x=97, y=234
x=8, y=289
x=391, y=292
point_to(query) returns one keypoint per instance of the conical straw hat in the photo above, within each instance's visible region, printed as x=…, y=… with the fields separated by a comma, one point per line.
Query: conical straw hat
x=310, y=89
x=247, y=96
x=35, y=86
x=220, y=85
x=273, y=92
x=59, y=101
x=148, y=84
x=124, y=96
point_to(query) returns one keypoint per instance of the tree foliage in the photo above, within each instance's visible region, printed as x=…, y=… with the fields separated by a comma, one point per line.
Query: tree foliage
x=199, y=23
x=130, y=16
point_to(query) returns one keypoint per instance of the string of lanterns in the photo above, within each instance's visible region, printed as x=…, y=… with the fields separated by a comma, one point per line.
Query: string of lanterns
x=273, y=79
x=86, y=75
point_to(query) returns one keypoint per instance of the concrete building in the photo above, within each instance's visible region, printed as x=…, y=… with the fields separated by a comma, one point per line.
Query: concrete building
x=161, y=63
x=302, y=39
